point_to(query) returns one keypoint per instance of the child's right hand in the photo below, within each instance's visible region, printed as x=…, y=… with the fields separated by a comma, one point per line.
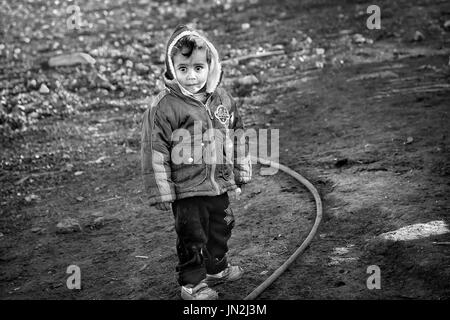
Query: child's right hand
x=164, y=206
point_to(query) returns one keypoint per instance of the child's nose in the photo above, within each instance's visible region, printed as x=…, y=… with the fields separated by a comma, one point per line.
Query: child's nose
x=191, y=74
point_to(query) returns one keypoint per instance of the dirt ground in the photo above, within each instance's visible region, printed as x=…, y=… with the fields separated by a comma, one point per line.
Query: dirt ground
x=364, y=118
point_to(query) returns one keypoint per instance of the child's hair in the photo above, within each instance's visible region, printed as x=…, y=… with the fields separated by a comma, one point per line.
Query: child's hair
x=187, y=44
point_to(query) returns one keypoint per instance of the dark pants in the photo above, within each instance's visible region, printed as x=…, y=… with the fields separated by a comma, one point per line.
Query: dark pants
x=203, y=226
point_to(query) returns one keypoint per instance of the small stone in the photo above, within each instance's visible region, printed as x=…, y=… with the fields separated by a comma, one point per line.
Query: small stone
x=142, y=68
x=44, y=89
x=31, y=197
x=320, y=51
x=447, y=24
x=245, y=26
x=78, y=173
x=418, y=36
x=32, y=84
x=409, y=140
x=79, y=198
x=68, y=225
x=359, y=38
x=129, y=64
x=319, y=64
x=36, y=230
x=248, y=80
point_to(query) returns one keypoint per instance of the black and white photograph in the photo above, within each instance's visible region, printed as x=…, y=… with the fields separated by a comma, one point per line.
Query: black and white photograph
x=229, y=150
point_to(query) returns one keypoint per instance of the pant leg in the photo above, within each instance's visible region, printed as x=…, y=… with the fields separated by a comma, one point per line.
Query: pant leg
x=221, y=222
x=192, y=225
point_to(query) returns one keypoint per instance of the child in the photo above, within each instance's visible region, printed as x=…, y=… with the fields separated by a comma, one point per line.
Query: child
x=192, y=104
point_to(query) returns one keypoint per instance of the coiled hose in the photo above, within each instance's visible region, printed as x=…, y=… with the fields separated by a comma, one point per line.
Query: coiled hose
x=255, y=293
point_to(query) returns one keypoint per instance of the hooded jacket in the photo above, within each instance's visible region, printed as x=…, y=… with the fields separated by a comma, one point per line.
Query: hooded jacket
x=208, y=168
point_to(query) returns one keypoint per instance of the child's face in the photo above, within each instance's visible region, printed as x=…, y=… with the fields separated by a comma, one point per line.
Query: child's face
x=191, y=72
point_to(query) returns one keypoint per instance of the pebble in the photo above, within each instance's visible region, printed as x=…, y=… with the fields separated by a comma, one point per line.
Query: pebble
x=447, y=24
x=129, y=64
x=142, y=68
x=68, y=225
x=418, y=36
x=31, y=197
x=36, y=230
x=245, y=26
x=248, y=80
x=44, y=89
x=320, y=51
x=32, y=83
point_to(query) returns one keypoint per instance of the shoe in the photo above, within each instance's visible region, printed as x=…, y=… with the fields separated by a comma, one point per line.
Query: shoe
x=230, y=273
x=199, y=292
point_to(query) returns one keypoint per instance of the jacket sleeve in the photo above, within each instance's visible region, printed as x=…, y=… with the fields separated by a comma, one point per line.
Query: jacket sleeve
x=242, y=157
x=155, y=155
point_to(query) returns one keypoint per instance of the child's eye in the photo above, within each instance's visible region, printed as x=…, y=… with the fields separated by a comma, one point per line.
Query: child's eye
x=182, y=69
x=199, y=68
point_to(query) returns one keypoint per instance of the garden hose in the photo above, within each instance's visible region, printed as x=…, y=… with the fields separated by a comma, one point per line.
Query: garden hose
x=255, y=293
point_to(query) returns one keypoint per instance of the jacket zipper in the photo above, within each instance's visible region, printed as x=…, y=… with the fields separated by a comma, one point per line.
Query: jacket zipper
x=210, y=118
x=213, y=165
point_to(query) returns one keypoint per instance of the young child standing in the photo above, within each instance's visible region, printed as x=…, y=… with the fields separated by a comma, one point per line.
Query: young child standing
x=196, y=191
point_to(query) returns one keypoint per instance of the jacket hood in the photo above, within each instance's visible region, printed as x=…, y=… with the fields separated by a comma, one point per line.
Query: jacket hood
x=215, y=67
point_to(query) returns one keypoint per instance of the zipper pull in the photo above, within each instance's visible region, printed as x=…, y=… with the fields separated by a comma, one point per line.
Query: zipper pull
x=209, y=111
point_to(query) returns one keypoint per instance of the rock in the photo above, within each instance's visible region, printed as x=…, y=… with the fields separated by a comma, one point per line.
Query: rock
x=32, y=84
x=360, y=39
x=319, y=64
x=37, y=230
x=245, y=26
x=418, y=36
x=129, y=64
x=345, y=32
x=68, y=225
x=44, y=89
x=409, y=140
x=447, y=24
x=31, y=197
x=78, y=173
x=142, y=68
x=71, y=59
x=320, y=51
x=248, y=80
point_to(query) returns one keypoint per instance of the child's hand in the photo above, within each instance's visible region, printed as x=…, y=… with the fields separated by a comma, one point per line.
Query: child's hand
x=164, y=206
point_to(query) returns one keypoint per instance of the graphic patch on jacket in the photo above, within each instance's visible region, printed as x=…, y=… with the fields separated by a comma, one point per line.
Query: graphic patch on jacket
x=222, y=114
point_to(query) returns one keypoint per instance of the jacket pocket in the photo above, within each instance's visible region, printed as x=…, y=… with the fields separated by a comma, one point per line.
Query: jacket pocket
x=187, y=176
